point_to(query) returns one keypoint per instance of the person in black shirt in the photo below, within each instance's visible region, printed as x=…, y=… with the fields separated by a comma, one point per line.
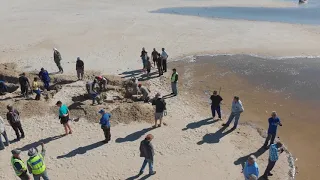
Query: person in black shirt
x=80, y=68
x=215, y=105
x=13, y=117
x=24, y=85
x=155, y=56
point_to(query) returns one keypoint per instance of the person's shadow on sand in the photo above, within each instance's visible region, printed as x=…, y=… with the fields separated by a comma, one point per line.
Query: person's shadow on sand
x=133, y=136
x=137, y=176
x=38, y=143
x=215, y=137
x=198, y=124
x=82, y=150
x=243, y=159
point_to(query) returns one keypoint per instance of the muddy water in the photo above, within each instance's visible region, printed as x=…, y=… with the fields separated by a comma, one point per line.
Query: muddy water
x=289, y=86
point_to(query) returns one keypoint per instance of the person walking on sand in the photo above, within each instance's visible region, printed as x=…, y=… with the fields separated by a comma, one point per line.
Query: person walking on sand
x=155, y=56
x=19, y=167
x=36, y=88
x=274, y=122
x=143, y=58
x=164, y=57
x=24, y=85
x=236, y=110
x=64, y=115
x=105, y=125
x=250, y=168
x=80, y=68
x=4, y=134
x=215, y=104
x=13, y=117
x=145, y=93
x=36, y=164
x=44, y=76
x=147, y=152
x=160, y=104
x=274, y=151
x=174, y=82
x=57, y=59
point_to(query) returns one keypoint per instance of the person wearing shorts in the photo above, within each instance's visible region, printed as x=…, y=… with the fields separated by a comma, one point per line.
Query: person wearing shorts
x=64, y=114
x=160, y=108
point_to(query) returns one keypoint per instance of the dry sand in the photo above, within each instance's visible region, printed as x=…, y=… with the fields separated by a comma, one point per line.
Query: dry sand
x=109, y=35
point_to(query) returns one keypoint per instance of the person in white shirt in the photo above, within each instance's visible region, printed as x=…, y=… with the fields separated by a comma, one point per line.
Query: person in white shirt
x=236, y=110
x=3, y=133
x=164, y=57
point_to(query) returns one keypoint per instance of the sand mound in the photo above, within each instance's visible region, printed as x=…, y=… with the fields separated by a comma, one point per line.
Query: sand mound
x=9, y=73
x=133, y=112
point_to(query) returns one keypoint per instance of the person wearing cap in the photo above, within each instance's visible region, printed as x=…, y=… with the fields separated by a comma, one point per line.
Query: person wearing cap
x=36, y=88
x=102, y=81
x=13, y=117
x=160, y=104
x=24, y=85
x=215, y=104
x=164, y=57
x=147, y=152
x=44, y=76
x=80, y=68
x=174, y=82
x=236, y=110
x=250, y=168
x=274, y=151
x=105, y=125
x=145, y=93
x=64, y=115
x=274, y=122
x=36, y=164
x=57, y=59
x=18, y=165
x=3, y=133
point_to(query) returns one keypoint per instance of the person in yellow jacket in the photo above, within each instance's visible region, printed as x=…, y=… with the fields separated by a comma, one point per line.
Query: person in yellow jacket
x=18, y=165
x=36, y=88
x=36, y=164
x=174, y=82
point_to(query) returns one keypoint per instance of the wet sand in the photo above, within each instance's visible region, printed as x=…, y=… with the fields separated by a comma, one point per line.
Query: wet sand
x=288, y=86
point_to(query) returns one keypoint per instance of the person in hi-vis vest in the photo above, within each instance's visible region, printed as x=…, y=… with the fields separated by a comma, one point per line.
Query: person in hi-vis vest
x=36, y=164
x=18, y=165
x=174, y=82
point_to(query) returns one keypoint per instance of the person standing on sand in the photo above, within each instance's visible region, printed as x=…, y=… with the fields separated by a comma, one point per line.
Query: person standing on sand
x=24, y=85
x=105, y=125
x=155, y=56
x=274, y=122
x=215, y=104
x=236, y=110
x=159, y=66
x=250, y=168
x=64, y=115
x=147, y=152
x=44, y=76
x=19, y=167
x=174, y=82
x=57, y=59
x=4, y=134
x=164, y=57
x=148, y=67
x=143, y=58
x=13, y=118
x=160, y=104
x=36, y=88
x=274, y=151
x=36, y=164
x=80, y=68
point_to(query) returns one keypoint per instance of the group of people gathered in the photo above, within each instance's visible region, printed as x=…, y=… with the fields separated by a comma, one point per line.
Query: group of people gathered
x=159, y=60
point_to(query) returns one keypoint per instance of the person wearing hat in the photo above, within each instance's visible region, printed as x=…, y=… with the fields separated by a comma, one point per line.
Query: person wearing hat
x=64, y=115
x=13, y=117
x=174, y=82
x=147, y=152
x=105, y=125
x=57, y=59
x=24, y=85
x=145, y=93
x=102, y=81
x=250, y=168
x=3, y=133
x=36, y=164
x=160, y=104
x=164, y=57
x=18, y=165
x=80, y=68
x=215, y=104
x=44, y=76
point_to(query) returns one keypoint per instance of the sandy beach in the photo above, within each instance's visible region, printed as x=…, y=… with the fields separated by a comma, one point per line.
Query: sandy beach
x=108, y=36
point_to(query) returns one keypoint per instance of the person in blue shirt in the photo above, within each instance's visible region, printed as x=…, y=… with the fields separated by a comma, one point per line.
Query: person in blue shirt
x=44, y=76
x=274, y=122
x=250, y=168
x=105, y=125
x=274, y=152
x=3, y=87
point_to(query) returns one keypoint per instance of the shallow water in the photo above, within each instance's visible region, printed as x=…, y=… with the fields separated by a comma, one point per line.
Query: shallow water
x=302, y=14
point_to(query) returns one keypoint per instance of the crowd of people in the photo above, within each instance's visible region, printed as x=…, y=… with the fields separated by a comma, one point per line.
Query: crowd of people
x=36, y=165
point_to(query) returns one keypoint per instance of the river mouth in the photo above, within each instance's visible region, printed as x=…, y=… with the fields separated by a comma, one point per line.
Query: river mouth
x=288, y=85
